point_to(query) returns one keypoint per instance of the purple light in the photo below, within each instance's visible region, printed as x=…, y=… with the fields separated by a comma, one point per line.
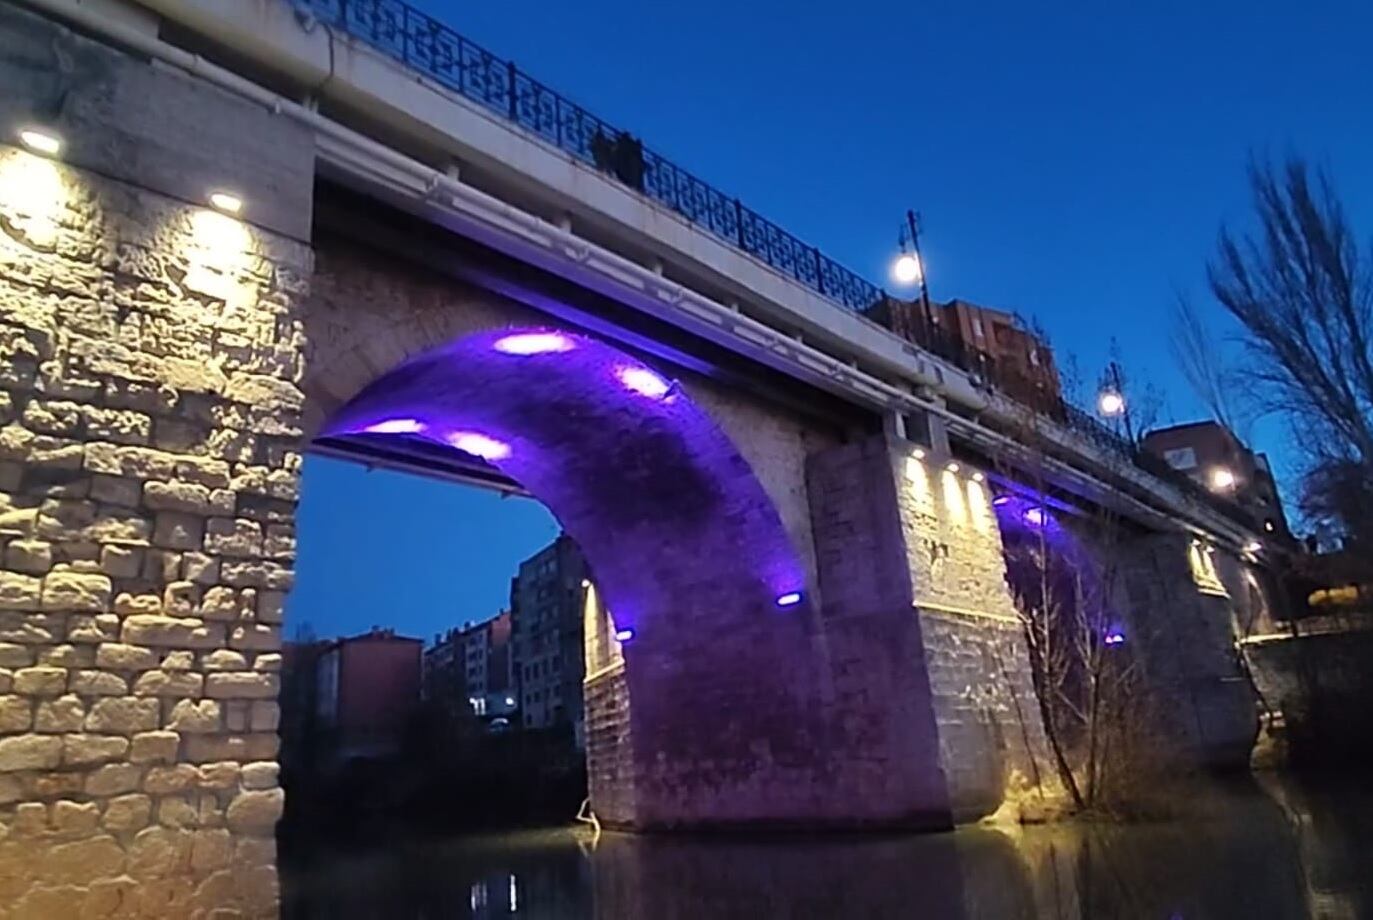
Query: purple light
x=479, y=445
x=1001, y=500
x=643, y=381
x=1034, y=517
x=533, y=343
x=1113, y=637
x=396, y=426
x=790, y=599
x=624, y=635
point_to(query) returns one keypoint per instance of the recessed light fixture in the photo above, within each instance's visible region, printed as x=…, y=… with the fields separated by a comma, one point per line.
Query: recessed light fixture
x=41, y=141
x=227, y=202
x=952, y=467
x=790, y=599
x=918, y=453
x=624, y=635
x=978, y=477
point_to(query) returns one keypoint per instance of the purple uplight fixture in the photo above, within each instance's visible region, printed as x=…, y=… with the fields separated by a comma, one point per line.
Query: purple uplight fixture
x=790, y=599
x=624, y=634
x=479, y=445
x=643, y=381
x=396, y=426
x=533, y=343
x=1114, y=636
x=1035, y=517
x=1001, y=500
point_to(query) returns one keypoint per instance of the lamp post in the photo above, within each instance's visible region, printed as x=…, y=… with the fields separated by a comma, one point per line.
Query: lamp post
x=1111, y=400
x=909, y=267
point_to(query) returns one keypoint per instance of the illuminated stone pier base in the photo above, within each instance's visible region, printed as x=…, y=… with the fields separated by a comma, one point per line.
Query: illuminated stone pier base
x=148, y=468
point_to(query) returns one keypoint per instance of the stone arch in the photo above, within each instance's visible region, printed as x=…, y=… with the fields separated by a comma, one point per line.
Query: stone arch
x=688, y=548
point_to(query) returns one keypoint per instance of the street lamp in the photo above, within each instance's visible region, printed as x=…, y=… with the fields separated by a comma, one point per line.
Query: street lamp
x=909, y=267
x=1111, y=399
x=1222, y=479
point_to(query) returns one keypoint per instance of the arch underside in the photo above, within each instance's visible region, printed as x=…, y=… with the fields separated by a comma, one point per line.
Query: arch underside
x=687, y=549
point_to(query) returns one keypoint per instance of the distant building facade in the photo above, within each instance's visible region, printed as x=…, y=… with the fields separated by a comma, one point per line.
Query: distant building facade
x=472, y=670
x=546, y=610
x=983, y=340
x=351, y=697
x=1212, y=455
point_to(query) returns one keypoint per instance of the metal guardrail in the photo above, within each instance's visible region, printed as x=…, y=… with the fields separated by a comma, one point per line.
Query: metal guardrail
x=421, y=42
x=426, y=45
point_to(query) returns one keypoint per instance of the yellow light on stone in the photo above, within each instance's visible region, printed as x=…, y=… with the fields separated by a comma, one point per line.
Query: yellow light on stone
x=34, y=194
x=219, y=252
x=919, y=478
x=954, y=505
x=979, y=508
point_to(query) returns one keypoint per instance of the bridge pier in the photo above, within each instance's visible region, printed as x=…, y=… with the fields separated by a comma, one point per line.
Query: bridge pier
x=149, y=438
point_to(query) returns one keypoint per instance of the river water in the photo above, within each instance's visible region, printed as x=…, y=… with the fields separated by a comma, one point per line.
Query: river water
x=1260, y=850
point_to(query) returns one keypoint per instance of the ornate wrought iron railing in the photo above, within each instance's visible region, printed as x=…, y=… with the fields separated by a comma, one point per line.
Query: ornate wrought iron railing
x=421, y=42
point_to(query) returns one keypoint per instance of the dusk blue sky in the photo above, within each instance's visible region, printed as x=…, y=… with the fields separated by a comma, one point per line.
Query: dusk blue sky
x=1072, y=162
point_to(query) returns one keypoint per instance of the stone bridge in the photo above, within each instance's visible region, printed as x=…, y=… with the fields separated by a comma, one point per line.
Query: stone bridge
x=810, y=624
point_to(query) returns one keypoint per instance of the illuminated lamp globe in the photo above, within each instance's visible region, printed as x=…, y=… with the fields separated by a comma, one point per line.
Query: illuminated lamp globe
x=906, y=269
x=1111, y=403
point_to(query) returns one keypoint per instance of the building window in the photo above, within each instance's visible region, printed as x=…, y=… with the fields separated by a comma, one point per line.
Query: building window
x=1181, y=458
x=977, y=327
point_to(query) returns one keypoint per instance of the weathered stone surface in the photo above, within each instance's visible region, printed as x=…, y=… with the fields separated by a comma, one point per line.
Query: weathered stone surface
x=163, y=780
x=16, y=714
x=176, y=811
x=240, y=748
x=98, y=683
x=211, y=849
x=88, y=629
x=82, y=750
x=121, y=561
x=32, y=556
x=255, y=812
x=177, y=530
x=126, y=605
x=119, y=426
x=181, y=599
x=171, y=631
x=241, y=685
x=188, y=497
x=19, y=592
x=13, y=655
x=257, y=573
x=77, y=592
x=159, y=852
x=75, y=818
x=200, y=568
x=128, y=813
x=116, y=656
x=178, y=660
x=223, y=659
x=154, y=747
x=67, y=656
x=29, y=752
x=255, y=637
x=222, y=775
x=114, y=490
x=76, y=863
x=169, y=683
x=268, y=661
x=114, y=778
x=40, y=680
x=196, y=716
x=260, y=775
x=124, y=715
x=233, y=537
x=64, y=714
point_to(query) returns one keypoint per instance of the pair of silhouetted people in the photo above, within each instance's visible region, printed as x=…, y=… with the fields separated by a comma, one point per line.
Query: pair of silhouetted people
x=623, y=157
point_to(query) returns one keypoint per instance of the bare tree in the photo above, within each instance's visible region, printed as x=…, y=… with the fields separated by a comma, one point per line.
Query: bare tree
x=1301, y=291
x=1197, y=351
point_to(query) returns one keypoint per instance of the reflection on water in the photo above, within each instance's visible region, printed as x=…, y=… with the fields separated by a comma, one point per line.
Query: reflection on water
x=1251, y=853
